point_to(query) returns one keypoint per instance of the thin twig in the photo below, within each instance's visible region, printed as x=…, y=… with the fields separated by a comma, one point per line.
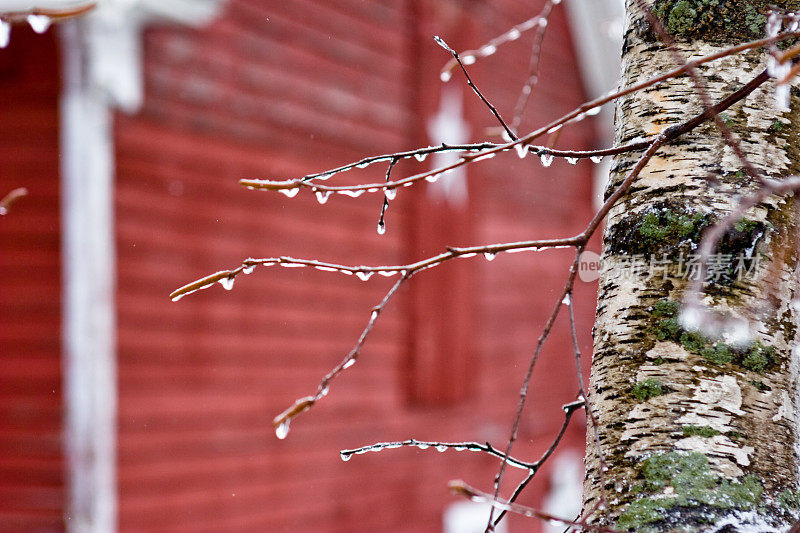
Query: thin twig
x=226, y=277
x=281, y=422
x=475, y=89
x=491, y=47
x=10, y=198
x=53, y=13
x=462, y=489
x=381, y=221
x=568, y=410
x=533, y=69
x=523, y=141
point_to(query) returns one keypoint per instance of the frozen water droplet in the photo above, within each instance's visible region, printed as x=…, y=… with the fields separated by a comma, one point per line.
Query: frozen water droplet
x=572, y=160
x=488, y=50
x=490, y=256
x=227, y=283
x=381, y=228
x=513, y=34
x=433, y=178
x=373, y=189
x=445, y=76
x=282, y=430
x=324, y=391
x=467, y=256
x=345, y=456
x=441, y=43
x=547, y=159
x=543, y=21
x=593, y=111
x=773, y=25
x=289, y=193
x=422, y=446
x=248, y=269
x=596, y=158
x=373, y=316
x=348, y=364
x=326, y=268
x=522, y=150
x=362, y=165
x=5, y=33
x=420, y=157
x=322, y=196
x=364, y=276
x=441, y=448
x=468, y=59
x=567, y=299
x=387, y=273
x=390, y=193
x=351, y=194
x=39, y=23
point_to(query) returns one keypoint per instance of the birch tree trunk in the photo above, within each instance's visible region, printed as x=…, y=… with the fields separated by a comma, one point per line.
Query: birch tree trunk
x=698, y=434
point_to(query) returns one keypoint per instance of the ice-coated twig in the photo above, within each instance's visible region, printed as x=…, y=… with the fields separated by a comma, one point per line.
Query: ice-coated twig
x=482, y=150
x=52, y=13
x=440, y=447
x=584, y=394
x=512, y=136
x=226, y=277
x=386, y=194
x=568, y=409
x=460, y=488
x=291, y=187
x=470, y=56
x=282, y=421
x=533, y=69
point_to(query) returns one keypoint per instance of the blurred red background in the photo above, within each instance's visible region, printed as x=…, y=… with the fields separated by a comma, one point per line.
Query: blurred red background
x=277, y=90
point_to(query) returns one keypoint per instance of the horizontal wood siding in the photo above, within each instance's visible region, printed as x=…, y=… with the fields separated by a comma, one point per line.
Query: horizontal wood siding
x=31, y=444
x=280, y=89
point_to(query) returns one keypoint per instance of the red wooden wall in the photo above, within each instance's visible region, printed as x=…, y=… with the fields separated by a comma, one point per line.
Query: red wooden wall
x=280, y=89
x=31, y=457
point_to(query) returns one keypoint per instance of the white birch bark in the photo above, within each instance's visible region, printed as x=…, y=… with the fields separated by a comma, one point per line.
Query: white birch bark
x=698, y=434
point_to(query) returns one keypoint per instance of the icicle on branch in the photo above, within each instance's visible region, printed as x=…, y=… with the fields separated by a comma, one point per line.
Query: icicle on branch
x=39, y=16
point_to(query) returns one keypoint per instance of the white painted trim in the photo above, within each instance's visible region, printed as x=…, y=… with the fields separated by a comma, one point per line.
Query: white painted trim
x=89, y=315
x=597, y=34
x=101, y=61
